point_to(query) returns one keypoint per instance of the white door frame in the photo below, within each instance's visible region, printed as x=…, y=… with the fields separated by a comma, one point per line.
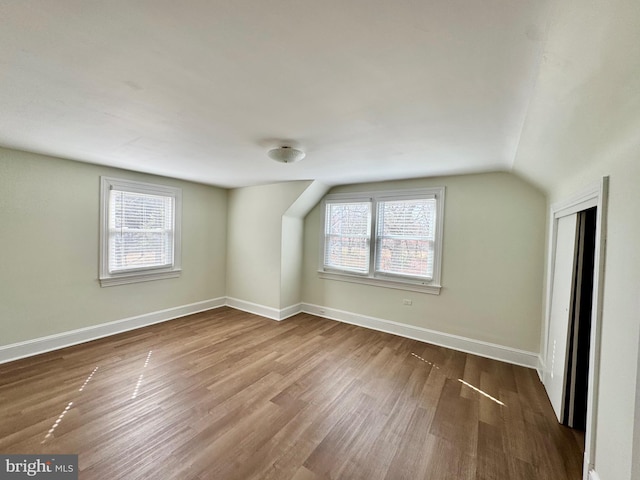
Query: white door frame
x=595, y=196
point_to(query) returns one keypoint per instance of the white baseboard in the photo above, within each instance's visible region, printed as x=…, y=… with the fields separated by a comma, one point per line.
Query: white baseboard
x=463, y=344
x=262, y=310
x=290, y=311
x=540, y=368
x=476, y=347
x=593, y=475
x=53, y=342
x=36, y=346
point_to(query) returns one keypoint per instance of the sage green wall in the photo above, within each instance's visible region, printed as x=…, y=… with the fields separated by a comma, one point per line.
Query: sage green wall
x=492, y=265
x=617, y=412
x=291, y=261
x=49, y=227
x=293, y=243
x=582, y=123
x=255, y=239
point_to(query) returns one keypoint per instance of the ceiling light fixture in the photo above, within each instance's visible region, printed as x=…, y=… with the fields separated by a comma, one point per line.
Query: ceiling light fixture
x=286, y=154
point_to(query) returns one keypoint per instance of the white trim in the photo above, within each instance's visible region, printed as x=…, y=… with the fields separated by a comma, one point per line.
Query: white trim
x=290, y=311
x=399, y=284
x=584, y=200
x=581, y=201
x=262, y=310
x=136, y=277
x=596, y=325
x=593, y=475
x=107, y=278
x=463, y=344
x=541, y=367
x=594, y=196
x=37, y=346
x=40, y=345
x=371, y=277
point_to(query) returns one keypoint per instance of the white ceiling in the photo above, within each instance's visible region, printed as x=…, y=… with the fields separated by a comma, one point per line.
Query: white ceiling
x=584, y=113
x=199, y=90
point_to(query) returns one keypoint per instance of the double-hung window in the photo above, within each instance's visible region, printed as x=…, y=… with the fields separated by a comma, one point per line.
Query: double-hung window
x=347, y=236
x=392, y=239
x=140, y=231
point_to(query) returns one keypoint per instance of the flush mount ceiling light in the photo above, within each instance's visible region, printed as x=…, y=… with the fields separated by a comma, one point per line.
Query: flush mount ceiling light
x=286, y=154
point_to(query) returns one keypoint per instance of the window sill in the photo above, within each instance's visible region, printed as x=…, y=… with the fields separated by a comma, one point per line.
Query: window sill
x=381, y=282
x=137, y=277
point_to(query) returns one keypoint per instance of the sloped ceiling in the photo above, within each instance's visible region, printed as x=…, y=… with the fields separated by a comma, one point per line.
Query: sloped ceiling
x=585, y=108
x=371, y=90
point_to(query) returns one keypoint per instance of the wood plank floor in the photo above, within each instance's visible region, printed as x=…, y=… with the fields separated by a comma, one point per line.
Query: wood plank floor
x=228, y=395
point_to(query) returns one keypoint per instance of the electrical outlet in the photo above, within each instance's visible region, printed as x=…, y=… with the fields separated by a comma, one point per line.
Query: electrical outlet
x=407, y=301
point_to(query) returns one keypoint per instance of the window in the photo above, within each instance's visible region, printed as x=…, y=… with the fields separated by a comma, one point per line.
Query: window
x=392, y=239
x=140, y=232
x=347, y=236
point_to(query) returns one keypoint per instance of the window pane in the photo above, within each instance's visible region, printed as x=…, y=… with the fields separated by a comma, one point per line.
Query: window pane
x=406, y=237
x=405, y=257
x=347, y=237
x=141, y=231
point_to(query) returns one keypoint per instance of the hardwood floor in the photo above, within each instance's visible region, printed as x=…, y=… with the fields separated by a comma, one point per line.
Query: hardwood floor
x=228, y=395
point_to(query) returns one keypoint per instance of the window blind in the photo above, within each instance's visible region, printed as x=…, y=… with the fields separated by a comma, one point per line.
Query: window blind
x=405, y=237
x=347, y=236
x=141, y=231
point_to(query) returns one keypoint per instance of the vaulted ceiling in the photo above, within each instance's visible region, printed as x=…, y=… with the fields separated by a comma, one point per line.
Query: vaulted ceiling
x=371, y=90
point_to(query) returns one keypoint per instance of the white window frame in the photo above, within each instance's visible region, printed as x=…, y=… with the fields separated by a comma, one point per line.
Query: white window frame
x=401, y=282
x=362, y=199
x=108, y=278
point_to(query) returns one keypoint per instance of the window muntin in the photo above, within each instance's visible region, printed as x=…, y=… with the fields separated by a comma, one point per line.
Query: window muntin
x=402, y=246
x=140, y=231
